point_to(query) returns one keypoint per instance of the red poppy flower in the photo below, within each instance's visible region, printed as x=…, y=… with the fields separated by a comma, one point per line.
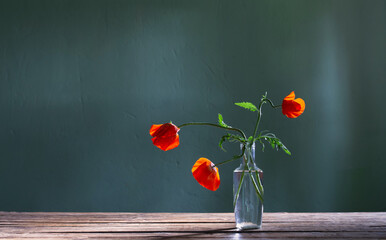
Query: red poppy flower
x=165, y=136
x=292, y=107
x=206, y=174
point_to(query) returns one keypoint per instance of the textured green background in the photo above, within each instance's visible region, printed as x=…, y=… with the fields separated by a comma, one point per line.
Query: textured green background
x=81, y=82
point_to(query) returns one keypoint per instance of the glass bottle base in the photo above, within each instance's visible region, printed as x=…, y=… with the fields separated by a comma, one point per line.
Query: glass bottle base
x=247, y=225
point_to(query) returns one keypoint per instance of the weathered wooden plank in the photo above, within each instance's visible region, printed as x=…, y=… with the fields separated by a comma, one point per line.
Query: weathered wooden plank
x=202, y=235
x=118, y=217
x=14, y=225
x=174, y=229
x=182, y=217
x=368, y=223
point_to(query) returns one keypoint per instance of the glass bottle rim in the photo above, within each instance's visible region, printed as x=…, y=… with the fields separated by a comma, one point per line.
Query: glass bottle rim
x=242, y=144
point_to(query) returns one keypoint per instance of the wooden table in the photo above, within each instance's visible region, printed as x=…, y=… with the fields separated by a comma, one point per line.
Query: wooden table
x=60, y=225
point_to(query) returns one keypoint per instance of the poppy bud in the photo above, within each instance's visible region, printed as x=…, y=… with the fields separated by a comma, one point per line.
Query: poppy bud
x=292, y=107
x=165, y=136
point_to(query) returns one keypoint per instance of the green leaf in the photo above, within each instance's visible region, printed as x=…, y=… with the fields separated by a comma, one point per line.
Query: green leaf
x=222, y=140
x=231, y=138
x=282, y=147
x=234, y=138
x=285, y=149
x=247, y=105
x=221, y=121
x=275, y=142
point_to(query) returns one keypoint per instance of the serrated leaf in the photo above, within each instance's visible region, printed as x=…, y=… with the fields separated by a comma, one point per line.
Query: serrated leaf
x=231, y=138
x=221, y=121
x=234, y=138
x=285, y=149
x=275, y=142
x=247, y=105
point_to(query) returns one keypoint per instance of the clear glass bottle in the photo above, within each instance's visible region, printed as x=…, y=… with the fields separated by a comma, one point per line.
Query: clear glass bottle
x=248, y=207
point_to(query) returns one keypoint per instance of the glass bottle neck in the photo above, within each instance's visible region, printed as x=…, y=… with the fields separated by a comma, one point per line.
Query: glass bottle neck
x=248, y=157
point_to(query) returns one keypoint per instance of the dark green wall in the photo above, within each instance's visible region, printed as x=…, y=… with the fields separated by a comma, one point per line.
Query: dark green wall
x=81, y=82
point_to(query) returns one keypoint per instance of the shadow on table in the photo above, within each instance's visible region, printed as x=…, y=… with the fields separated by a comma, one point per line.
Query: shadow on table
x=195, y=234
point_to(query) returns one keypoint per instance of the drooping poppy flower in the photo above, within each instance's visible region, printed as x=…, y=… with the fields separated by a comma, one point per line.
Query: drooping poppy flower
x=292, y=107
x=206, y=174
x=165, y=136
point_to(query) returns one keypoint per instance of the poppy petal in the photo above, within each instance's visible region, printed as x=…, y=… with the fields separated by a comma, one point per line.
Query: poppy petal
x=302, y=104
x=291, y=96
x=166, y=130
x=166, y=143
x=174, y=144
x=154, y=128
x=206, y=174
x=198, y=163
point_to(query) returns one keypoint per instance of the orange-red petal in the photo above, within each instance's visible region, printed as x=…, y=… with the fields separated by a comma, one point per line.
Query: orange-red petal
x=292, y=107
x=154, y=128
x=166, y=143
x=206, y=174
x=165, y=136
x=164, y=130
x=291, y=96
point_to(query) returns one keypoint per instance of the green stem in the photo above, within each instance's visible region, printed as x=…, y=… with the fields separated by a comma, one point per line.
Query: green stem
x=232, y=159
x=258, y=118
x=257, y=188
x=241, y=179
x=259, y=184
x=250, y=171
x=219, y=126
x=214, y=125
x=239, y=187
x=259, y=113
x=271, y=103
